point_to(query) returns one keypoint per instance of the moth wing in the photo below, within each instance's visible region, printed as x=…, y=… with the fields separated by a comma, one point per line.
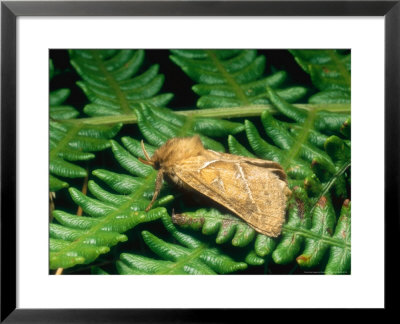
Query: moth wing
x=251, y=191
x=273, y=166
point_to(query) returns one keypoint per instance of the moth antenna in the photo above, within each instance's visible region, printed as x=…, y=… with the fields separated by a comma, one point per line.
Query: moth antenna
x=145, y=161
x=159, y=181
x=144, y=151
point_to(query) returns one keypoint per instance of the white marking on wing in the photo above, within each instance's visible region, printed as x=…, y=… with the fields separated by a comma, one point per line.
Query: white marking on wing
x=206, y=164
x=218, y=181
x=241, y=173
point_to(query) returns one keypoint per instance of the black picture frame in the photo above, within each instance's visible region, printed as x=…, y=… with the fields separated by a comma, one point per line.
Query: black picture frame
x=11, y=10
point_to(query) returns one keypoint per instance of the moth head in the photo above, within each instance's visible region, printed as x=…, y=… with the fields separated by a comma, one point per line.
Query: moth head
x=149, y=161
x=173, y=152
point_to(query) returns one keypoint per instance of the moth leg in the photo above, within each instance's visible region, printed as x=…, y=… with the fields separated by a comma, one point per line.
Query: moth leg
x=159, y=181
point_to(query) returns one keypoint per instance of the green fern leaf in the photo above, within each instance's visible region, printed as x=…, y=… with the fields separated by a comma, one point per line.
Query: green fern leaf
x=192, y=256
x=112, y=84
x=211, y=221
x=340, y=256
x=70, y=142
x=316, y=235
x=300, y=147
x=58, y=111
x=227, y=227
x=330, y=73
x=159, y=124
x=299, y=219
x=80, y=240
x=303, y=233
x=231, y=78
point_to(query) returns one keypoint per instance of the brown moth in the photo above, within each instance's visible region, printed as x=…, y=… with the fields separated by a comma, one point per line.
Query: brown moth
x=255, y=190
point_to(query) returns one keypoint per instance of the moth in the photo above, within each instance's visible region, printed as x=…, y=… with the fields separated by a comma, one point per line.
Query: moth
x=256, y=190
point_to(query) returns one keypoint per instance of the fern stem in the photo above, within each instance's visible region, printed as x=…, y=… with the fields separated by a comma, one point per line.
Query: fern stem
x=67, y=138
x=228, y=77
x=186, y=126
x=193, y=255
x=346, y=75
x=78, y=213
x=331, y=182
x=309, y=234
x=302, y=138
x=232, y=112
x=113, y=83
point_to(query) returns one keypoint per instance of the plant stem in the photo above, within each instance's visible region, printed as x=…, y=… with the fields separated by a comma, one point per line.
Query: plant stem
x=308, y=234
x=78, y=213
x=331, y=182
x=301, y=139
x=232, y=112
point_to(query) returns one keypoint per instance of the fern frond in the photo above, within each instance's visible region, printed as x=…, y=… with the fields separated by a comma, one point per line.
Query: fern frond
x=306, y=237
x=81, y=239
x=340, y=256
x=112, y=83
x=56, y=111
x=227, y=227
x=330, y=72
x=70, y=142
x=159, y=124
x=231, y=78
x=190, y=256
x=316, y=236
x=212, y=221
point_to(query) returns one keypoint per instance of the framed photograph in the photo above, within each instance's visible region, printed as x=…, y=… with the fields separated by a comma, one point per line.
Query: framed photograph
x=196, y=155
